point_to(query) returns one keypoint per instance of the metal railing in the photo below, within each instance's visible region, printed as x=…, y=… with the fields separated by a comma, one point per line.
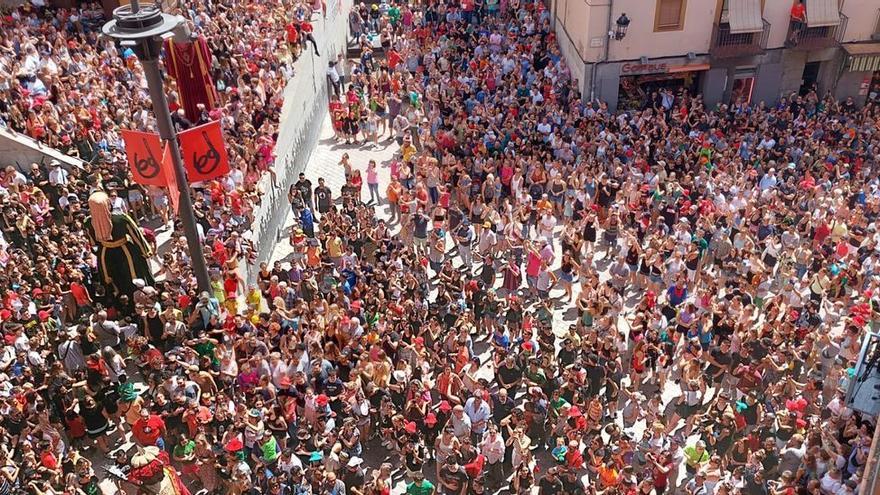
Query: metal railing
x=802, y=37
x=726, y=44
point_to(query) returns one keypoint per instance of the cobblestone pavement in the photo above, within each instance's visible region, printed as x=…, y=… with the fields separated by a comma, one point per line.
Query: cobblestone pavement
x=324, y=163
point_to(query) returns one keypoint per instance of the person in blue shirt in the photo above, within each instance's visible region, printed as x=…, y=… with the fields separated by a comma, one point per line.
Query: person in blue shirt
x=308, y=222
x=675, y=296
x=677, y=293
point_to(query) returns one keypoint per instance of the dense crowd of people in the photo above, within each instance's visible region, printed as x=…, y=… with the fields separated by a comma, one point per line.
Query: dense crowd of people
x=548, y=297
x=66, y=86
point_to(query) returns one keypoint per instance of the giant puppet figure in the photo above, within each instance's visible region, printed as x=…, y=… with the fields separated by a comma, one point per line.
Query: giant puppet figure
x=189, y=63
x=151, y=471
x=122, y=250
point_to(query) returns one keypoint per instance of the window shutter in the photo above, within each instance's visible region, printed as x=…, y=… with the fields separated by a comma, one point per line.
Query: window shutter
x=670, y=13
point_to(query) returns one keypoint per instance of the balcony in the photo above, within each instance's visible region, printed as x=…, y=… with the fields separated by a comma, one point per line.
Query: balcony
x=802, y=37
x=726, y=44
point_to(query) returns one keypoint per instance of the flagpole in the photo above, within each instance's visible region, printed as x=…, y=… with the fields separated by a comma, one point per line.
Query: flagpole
x=143, y=28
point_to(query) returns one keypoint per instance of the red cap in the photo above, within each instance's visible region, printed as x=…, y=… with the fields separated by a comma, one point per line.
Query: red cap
x=574, y=412
x=5, y=314
x=234, y=445
x=410, y=427
x=284, y=381
x=528, y=346
x=37, y=292
x=419, y=340
x=431, y=419
x=322, y=400
x=44, y=315
x=444, y=406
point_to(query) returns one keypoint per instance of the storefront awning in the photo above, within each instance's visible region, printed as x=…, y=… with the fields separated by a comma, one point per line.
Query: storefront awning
x=744, y=16
x=822, y=13
x=862, y=57
x=688, y=68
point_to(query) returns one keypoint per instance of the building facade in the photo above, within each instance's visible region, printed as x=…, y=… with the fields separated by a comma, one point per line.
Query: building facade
x=726, y=50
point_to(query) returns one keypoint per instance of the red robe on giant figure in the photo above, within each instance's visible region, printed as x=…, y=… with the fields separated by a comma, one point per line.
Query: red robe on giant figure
x=190, y=65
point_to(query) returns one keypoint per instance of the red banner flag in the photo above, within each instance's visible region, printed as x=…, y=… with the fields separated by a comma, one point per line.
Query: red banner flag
x=204, y=152
x=168, y=170
x=144, y=151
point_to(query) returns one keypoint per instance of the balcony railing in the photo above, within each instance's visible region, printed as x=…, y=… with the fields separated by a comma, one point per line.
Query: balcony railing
x=727, y=45
x=802, y=37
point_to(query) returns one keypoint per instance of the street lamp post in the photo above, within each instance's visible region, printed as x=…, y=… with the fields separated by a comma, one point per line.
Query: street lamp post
x=143, y=28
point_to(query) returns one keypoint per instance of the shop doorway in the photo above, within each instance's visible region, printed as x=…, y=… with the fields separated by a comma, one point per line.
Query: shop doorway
x=743, y=85
x=810, y=77
x=635, y=92
x=742, y=90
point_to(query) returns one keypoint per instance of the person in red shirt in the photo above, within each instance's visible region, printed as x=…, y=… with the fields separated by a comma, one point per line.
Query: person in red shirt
x=149, y=430
x=798, y=19
x=799, y=11
x=393, y=58
x=306, y=29
x=293, y=39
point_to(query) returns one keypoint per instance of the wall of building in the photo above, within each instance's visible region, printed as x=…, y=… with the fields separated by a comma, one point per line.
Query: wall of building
x=792, y=70
x=850, y=85
x=572, y=57
x=642, y=41
x=768, y=74
x=862, y=22
x=778, y=14
x=573, y=16
x=21, y=151
x=305, y=106
x=712, y=87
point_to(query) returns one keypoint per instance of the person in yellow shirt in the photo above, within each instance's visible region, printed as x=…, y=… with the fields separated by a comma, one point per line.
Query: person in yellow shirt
x=407, y=149
x=335, y=250
x=839, y=230
x=254, y=298
x=217, y=288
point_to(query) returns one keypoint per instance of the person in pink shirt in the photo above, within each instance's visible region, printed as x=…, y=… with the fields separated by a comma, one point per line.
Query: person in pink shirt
x=547, y=252
x=533, y=267
x=373, y=182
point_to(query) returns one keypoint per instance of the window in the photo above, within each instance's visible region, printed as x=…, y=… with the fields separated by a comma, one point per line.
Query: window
x=724, y=10
x=670, y=15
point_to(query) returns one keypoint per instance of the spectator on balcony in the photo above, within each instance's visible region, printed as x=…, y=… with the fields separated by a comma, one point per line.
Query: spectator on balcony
x=798, y=20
